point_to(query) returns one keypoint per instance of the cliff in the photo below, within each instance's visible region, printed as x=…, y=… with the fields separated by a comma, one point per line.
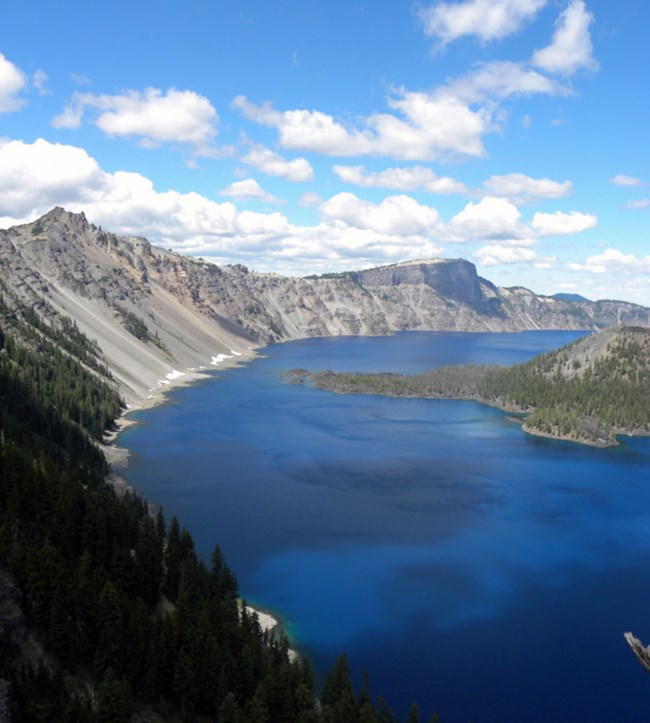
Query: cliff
x=155, y=313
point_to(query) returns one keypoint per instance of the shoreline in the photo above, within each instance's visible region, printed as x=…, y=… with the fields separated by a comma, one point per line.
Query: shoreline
x=118, y=457
x=509, y=411
x=272, y=623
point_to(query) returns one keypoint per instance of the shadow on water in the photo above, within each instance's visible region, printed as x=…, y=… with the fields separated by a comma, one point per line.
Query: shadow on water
x=486, y=573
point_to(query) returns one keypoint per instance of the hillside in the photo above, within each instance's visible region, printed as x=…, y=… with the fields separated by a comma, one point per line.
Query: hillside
x=589, y=391
x=158, y=317
x=107, y=614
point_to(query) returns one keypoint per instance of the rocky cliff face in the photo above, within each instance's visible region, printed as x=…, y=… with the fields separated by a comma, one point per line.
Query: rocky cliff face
x=153, y=311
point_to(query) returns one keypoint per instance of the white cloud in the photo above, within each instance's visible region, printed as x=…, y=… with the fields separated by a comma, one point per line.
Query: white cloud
x=615, y=261
x=306, y=130
x=12, y=81
x=351, y=232
x=495, y=254
x=485, y=19
x=400, y=179
x=273, y=164
x=153, y=116
x=502, y=79
x=563, y=224
x=638, y=204
x=35, y=177
x=310, y=199
x=571, y=47
x=622, y=180
x=71, y=117
x=446, y=123
x=395, y=215
x=39, y=81
x=521, y=189
x=432, y=126
x=435, y=126
x=248, y=190
x=490, y=218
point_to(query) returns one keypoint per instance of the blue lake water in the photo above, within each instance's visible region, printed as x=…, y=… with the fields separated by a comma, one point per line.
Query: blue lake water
x=487, y=574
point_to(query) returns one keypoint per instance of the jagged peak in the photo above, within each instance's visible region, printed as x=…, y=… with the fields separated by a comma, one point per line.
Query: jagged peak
x=58, y=213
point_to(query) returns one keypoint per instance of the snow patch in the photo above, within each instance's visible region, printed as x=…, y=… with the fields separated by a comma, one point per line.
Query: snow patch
x=175, y=374
x=220, y=358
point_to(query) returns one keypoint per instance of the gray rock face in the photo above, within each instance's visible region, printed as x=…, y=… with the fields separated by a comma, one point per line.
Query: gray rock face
x=454, y=279
x=196, y=310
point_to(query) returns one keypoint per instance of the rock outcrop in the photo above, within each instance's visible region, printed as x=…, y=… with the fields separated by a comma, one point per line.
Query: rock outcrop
x=154, y=312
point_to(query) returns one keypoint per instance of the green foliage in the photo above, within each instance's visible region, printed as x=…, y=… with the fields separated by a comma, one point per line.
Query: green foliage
x=64, y=334
x=135, y=326
x=94, y=570
x=589, y=400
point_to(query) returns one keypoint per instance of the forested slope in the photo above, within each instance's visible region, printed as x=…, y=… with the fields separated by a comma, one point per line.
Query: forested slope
x=106, y=610
x=589, y=391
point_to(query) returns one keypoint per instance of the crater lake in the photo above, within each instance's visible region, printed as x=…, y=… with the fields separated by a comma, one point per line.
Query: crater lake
x=485, y=573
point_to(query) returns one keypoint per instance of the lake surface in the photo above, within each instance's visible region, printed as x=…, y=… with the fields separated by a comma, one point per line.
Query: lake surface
x=487, y=574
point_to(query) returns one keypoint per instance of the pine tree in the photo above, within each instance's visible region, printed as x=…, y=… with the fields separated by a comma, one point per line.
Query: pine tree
x=113, y=699
x=337, y=697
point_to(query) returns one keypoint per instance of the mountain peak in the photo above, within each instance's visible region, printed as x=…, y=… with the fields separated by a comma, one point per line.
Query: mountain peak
x=58, y=213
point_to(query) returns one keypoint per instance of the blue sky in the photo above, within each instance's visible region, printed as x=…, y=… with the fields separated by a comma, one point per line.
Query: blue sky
x=304, y=137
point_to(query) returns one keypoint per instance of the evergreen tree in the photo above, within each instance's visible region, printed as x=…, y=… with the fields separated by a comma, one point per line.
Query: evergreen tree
x=337, y=696
x=113, y=699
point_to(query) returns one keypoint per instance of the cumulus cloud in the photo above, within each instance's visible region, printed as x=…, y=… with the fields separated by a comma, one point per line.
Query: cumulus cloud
x=305, y=129
x=349, y=231
x=490, y=218
x=521, y=189
x=248, y=190
x=35, y=177
x=486, y=20
x=495, y=254
x=152, y=116
x=622, y=180
x=395, y=215
x=413, y=178
x=12, y=81
x=427, y=126
x=446, y=123
x=613, y=260
x=571, y=47
x=502, y=79
x=563, y=224
x=273, y=164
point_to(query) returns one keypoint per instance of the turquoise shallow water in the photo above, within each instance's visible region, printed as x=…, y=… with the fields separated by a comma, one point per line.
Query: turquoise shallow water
x=485, y=573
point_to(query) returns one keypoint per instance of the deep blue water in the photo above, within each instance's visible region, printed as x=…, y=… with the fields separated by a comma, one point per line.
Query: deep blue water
x=487, y=574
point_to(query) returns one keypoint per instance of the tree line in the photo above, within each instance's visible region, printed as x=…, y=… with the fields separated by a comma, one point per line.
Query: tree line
x=125, y=614
x=562, y=393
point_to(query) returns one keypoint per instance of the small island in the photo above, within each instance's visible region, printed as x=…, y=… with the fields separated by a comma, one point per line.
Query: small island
x=589, y=391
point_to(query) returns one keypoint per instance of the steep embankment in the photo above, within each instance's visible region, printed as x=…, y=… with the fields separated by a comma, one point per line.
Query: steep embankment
x=589, y=391
x=154, y=312
x=63, y=266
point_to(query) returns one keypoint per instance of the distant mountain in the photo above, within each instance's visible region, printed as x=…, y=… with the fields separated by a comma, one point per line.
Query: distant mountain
x=155, y=313
x=569, y=297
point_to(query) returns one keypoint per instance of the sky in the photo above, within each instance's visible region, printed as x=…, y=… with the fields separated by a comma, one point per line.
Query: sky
x=310, y=137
